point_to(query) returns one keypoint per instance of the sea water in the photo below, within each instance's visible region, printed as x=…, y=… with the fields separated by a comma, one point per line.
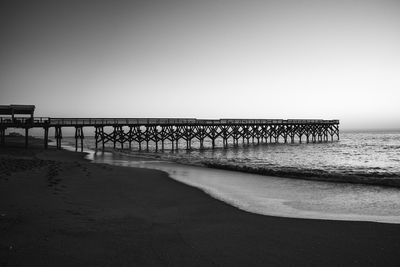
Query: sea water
x=371, y=155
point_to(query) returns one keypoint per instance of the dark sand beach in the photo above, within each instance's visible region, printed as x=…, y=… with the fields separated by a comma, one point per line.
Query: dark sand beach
x=57, y=209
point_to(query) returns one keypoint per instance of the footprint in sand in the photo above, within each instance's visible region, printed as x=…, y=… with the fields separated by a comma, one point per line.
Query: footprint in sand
x=54, y=181
x=74, y=212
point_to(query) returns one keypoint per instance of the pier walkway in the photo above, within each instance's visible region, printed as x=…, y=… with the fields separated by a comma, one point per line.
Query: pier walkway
x=125, y=131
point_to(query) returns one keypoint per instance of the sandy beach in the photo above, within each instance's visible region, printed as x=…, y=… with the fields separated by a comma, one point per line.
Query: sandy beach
x=58, y=209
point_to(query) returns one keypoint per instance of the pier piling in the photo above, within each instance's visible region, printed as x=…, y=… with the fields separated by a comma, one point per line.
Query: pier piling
x=2, y=136
x=46, y=137
x=79, y=135
x=58, y=136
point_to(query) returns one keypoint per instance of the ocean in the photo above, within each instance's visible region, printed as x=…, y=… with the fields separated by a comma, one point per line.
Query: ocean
x=340, y=180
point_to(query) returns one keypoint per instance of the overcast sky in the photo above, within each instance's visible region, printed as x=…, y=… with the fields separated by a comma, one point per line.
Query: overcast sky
x=204, y=59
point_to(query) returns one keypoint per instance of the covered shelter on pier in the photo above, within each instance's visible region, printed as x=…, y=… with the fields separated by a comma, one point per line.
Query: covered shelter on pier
x=15, y=116
x=13, y=110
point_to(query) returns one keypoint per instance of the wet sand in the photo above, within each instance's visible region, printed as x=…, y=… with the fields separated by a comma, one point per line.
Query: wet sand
x=57, y=209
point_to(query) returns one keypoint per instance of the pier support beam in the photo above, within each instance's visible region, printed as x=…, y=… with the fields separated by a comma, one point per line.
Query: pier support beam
x=79, y=135
x=337, y=132
x=98, y=135
x=201, y=143
x=2, y=136
x=46, y=137
x=26, y=137
x=58, y=136
x=130, y=136
x=115, y=136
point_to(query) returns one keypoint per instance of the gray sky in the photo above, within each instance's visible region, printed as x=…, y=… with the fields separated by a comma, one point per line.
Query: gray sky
x=204, y=59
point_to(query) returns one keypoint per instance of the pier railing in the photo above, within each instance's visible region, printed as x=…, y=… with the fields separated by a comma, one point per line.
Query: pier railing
x=46, y=121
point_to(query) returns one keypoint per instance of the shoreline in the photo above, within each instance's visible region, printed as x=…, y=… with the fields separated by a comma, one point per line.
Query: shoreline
x=69, y=211
x=273, y=200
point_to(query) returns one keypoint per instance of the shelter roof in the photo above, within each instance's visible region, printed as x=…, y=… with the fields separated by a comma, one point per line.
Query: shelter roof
x=16, y=109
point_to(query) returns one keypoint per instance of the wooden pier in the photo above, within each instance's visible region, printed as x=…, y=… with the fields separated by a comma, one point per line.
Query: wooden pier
x=123, y=132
